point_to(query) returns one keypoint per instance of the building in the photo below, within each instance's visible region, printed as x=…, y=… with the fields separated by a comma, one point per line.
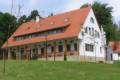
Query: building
x=73, y=35
x=114, y=50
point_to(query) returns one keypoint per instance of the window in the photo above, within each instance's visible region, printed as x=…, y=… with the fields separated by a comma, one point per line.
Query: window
x=97, y=34
x=42, y=50
x=66, y=19
x=52, y=49
x=51, y=23
x=89, y=47
x=75, y=47
x=92, y=31
x=101, y=50
x=60, y=48
x=22, y=51
x=68, y=47
x=86, y=31
x=43, y=33
x=92, y=20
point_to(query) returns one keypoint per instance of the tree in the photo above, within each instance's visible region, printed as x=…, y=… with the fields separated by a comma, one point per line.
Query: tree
x=104, y=18
x=7, y=26
x=85, y=5
x=22, y=19
x=33, y=15
x=102, y=13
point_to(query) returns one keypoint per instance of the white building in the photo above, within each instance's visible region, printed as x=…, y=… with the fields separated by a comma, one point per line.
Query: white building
x=74, y=35
x=113, y=51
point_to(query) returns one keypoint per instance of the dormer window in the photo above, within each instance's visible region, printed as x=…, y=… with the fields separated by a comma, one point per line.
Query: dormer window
x=38, y=27
x=51, y=23
x=28, y=28
x=66, y=20
x=92, y=20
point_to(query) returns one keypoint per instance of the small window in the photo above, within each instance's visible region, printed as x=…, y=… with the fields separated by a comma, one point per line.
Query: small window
x=92, y=20
x=42, y=50
x=51, y=23
x=52, y=49
x=89, y=47
x=92, y=31
x=68, y=47
x=86, y=30
x=66, y=20
x=60, y=47
x=75, y=47
x=101, y=50
x=89, y=31
x=98, y=35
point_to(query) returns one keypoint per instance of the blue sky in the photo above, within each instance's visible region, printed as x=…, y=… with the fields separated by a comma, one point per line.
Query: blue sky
x=46, y=7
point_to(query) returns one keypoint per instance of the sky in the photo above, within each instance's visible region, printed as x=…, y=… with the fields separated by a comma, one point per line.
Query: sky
x=45, y=7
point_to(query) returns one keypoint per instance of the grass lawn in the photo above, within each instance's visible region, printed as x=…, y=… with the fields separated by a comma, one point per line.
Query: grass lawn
x=46, y=70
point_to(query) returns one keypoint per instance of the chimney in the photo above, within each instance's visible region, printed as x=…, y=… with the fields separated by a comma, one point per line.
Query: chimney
x=37, y=18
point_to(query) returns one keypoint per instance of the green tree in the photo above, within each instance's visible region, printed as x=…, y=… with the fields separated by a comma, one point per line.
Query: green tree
x=103, y=13
x=104, y=18
x=33, y=15
x=7, y=26
x=85, y=5
x=22, y=19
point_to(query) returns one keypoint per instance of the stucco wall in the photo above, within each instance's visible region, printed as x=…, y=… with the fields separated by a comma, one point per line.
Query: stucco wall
x=97, y=42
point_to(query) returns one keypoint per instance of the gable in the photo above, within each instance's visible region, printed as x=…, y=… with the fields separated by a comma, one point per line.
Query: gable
x=90, y=23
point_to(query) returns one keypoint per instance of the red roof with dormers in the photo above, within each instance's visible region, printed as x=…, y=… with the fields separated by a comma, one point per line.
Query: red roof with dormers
x=75, y=21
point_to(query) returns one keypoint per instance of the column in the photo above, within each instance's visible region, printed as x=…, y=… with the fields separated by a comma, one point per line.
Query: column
x=54, y=51
x=17, y=54
x=9, y=54
x=65, y=50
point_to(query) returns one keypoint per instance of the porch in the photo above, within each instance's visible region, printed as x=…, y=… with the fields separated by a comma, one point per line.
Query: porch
x=49, y=50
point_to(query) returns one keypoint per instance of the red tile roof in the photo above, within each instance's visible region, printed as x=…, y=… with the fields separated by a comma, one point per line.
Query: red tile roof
x=115, y=46
x=75, y=21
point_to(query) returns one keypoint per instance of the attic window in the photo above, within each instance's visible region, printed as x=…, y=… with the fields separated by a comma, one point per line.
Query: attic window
x=28, y=28
x=51, y=23
x=92, y=20
x=38, y=27
x=66, y=20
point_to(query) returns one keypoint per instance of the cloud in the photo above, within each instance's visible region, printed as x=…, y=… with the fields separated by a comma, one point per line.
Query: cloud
x=46, y=7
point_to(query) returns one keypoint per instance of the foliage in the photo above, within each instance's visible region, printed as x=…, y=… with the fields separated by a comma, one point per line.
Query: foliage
x=85, y=5
x=7, y=26
x=33, y=15
x=22, y=19
x=9, y=23
x=104, y=18
x=103, y=13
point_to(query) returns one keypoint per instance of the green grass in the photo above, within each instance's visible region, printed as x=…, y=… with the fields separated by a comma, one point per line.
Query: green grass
x=45, y=70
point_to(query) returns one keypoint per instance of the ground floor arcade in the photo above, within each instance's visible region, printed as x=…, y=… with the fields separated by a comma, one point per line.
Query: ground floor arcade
x=48, y=49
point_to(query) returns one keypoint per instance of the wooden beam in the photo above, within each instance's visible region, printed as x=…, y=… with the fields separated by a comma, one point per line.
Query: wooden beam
x=54, y=50
x=65, y=52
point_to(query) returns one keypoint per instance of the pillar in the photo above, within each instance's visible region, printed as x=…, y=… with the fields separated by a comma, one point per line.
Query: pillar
x=17, y=54
x=54, y=51
x=9, y=54
x=65, y=50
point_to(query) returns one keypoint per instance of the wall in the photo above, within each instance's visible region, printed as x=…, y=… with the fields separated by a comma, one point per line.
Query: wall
x=115, y=56
x=97, y=42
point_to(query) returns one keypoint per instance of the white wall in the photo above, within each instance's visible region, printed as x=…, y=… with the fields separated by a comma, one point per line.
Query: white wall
x=97, y=42
x=115, y=56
